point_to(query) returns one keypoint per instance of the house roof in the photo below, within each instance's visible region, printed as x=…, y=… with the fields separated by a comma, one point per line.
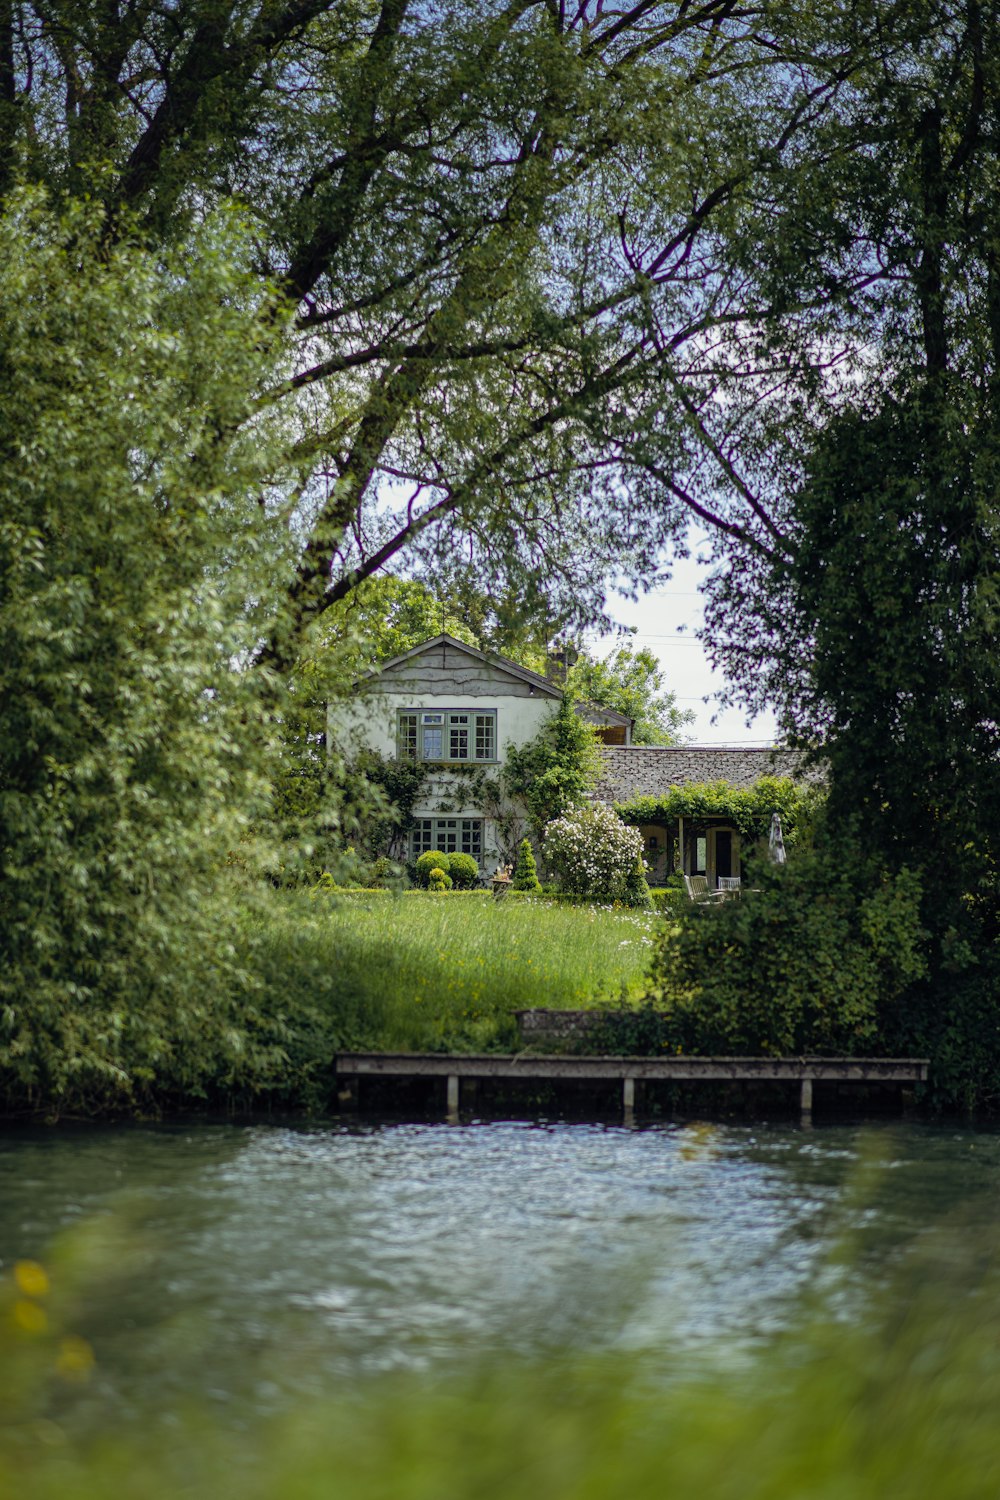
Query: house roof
x=502, y=663
x=650, y=770
x=595, y=712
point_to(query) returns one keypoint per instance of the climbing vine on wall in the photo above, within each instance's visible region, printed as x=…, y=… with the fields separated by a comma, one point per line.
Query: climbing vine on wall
x=475, y=787
x=400, y=782
x=748, y=809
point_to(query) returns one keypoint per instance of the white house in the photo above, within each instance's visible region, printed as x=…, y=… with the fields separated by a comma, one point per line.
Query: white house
x=457, y=711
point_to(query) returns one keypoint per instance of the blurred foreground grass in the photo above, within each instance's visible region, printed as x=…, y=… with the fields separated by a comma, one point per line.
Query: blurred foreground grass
x=906, y=1405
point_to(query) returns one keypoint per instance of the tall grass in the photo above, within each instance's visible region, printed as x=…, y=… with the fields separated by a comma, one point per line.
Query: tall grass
x=426, y=972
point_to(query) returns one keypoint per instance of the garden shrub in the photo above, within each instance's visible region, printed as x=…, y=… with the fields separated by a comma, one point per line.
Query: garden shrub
x=433, y=859
x=595, y=854
x=525, y=869
x=438, y=880
x=464, y=871
x=811, y=962
x=380, y=872
x=636, y=886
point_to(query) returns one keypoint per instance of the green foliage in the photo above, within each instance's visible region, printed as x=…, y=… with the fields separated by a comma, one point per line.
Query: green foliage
x=525, y=876
x=438, y=880
x=894, y=582
x=810, y=962
x=631, y=683
x=430, y=860
x=475, y=352
x=383, y=618
x=391, y=787
x=636, y=886
x=594, y=854
x=133, y=551
x=464, y=871
x=748, y=809
x=553, y=772
x=432, y=971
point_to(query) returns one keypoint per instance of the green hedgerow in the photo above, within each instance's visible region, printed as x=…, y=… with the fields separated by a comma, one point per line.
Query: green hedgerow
x=813, y=959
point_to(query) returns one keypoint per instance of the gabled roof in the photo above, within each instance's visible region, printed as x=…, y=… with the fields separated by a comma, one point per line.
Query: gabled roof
x=587, y=709
x=501, y=663
x=594, y=712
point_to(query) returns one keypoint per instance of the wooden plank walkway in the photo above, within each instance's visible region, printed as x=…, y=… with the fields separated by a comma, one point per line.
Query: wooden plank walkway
x=628, y=1071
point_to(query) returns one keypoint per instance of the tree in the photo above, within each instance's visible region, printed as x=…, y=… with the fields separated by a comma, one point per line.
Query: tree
x=133, y=750
x=872, y=623
x=525, y=870
x=517, y=242
x=631, y=683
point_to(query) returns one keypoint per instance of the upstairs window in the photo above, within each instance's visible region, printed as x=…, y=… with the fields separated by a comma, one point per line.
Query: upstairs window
x=447, y=735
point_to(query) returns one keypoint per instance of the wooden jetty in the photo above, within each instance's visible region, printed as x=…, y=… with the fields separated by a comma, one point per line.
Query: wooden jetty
x=628, y=1071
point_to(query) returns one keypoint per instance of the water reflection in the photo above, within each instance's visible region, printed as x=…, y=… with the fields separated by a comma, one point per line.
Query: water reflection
x=254, y=1262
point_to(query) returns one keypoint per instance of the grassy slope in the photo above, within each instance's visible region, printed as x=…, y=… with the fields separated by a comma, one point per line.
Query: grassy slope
x=423, y=972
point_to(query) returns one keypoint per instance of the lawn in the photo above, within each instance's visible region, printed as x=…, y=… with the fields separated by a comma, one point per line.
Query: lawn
x=419, y=972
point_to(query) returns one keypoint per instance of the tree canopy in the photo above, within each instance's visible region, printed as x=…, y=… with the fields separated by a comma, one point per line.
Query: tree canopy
x=631, y=683
x=542, y=265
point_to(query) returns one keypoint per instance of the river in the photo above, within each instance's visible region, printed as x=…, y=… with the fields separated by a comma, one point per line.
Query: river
x=240, y=1266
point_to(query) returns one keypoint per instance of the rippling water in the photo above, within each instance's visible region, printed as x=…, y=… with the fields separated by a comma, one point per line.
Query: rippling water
x=245, y=1264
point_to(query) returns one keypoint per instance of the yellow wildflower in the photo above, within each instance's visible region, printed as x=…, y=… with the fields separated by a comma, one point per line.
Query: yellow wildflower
x=32, y=1279
x=75, y=1359
x=29, y=1317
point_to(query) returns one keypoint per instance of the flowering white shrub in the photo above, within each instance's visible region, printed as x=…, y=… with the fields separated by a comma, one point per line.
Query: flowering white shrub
x=593, y=853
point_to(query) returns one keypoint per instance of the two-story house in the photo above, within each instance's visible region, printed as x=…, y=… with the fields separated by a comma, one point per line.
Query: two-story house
x=457, y=711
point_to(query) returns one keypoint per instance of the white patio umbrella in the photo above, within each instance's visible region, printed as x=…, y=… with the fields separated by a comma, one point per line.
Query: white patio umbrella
x=775, y=843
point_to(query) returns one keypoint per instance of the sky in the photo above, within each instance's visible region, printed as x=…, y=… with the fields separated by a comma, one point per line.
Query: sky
x=666, y=620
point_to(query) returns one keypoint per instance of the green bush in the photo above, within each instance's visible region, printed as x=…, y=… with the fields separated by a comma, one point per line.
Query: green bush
x=380, y=872
x=595, y=854
x=439, y=880
x=670, y=897
x=525, y=869
x=433, y=859
x=636, y=887
x=463, y=870
x=812, y=961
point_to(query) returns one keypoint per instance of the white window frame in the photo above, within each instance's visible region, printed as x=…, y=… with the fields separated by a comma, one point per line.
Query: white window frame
x=437, y=735
x=449, y=835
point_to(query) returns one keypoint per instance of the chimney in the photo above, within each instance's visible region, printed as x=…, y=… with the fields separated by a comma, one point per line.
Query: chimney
x=560, y=657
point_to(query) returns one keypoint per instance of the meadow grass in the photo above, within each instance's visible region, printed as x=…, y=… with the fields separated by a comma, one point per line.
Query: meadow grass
x=419, y=972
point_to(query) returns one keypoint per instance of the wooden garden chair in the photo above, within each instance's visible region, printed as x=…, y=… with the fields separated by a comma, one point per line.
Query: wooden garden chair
x=697, y=888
